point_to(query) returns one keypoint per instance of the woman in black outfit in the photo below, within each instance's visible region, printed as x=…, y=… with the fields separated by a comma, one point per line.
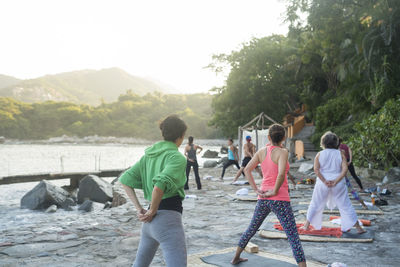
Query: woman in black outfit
x=190, y=153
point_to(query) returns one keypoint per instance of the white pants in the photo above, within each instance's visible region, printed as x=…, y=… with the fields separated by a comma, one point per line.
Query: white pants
x=331, y=197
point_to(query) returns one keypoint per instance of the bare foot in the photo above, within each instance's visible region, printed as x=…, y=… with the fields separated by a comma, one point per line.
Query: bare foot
x=361, y=230
x=306, y=228
x=237, y=261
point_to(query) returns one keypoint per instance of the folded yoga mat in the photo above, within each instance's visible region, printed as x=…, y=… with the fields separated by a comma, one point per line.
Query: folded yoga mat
x=352, y=236
x=224, y=260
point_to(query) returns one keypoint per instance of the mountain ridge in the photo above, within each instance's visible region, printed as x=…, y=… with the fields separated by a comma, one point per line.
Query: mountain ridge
x=86, y=86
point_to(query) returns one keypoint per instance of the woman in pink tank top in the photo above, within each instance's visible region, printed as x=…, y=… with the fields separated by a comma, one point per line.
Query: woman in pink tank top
x=273, y=194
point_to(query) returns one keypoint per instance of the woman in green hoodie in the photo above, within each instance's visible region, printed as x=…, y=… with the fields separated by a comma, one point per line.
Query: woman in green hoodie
x=160, y=173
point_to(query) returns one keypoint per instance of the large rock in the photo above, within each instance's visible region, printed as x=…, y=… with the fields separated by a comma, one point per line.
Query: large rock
x=210, y=164
x=210, y=154
x=223, y=150
x=67, y=204
x=86, y=206
x=392, y=176
x=43, y=196
x=306, y=167
x=94, y=188
x=223, y=160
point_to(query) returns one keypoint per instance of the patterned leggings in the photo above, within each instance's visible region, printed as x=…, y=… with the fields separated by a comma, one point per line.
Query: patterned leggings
x=351, y=189
x=284, y=212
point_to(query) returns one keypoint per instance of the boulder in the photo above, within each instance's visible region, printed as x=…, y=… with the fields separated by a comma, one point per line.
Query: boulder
x=43, y=196
x=210, y=164
x=306, y=167
x=392, y=176
x=94, y=188
x=210, y=154
x=223, y=160
x=223, y=150
x=68, y=204
x=51, y=209
x=108, y=205
x=119, y=195
x=86, y=206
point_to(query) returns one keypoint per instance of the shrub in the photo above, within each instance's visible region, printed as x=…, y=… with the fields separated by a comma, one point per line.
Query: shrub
x=377, y=138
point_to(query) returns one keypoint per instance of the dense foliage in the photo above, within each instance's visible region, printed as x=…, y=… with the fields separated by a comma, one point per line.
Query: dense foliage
x=131, y=116
x=259, y=80
x=377, y=138
x=342, y=61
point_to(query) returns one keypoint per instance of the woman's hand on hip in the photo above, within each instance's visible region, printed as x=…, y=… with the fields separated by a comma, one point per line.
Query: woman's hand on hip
x=146, y=215
x=269, y=193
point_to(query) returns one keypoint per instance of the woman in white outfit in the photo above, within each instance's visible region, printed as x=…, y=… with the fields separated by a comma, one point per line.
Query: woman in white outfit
x=330, y=166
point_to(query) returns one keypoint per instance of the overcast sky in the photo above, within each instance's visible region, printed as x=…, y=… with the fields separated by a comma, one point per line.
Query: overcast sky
x=168, y=40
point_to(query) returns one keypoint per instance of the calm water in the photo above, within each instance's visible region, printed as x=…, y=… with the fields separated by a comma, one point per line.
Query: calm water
x=25, y=159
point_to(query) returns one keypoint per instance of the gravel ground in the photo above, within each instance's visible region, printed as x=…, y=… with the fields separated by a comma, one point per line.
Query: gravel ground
x=212, y=221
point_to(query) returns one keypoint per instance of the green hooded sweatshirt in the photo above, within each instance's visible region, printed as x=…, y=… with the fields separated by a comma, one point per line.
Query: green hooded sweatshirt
x=163, y=166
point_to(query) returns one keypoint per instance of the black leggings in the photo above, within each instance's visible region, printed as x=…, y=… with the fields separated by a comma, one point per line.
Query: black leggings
x=229, y=163
x=196, y=173
x=353, y=173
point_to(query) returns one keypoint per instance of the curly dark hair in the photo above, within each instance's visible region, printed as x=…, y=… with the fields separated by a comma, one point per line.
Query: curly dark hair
x=172, y=128
x=277, y=133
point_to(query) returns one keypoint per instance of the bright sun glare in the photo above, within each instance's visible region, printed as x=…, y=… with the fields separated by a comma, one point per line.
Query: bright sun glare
x=168, y=40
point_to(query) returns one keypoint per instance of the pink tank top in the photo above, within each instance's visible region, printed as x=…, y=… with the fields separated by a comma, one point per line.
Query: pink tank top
x=270, y=173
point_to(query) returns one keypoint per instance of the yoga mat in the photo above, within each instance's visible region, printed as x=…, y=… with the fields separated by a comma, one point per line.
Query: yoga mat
x=224, y=260
x=352, y=236
x=196, y=259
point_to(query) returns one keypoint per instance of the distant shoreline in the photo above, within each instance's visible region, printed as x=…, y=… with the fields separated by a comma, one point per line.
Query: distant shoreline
x=99, y=140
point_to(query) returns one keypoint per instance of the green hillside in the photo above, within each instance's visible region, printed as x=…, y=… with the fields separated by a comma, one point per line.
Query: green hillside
x=84, y=86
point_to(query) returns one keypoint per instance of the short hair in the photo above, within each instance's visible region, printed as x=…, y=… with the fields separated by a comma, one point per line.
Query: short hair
x=190, y=139
x=329, y=140
x=231, y=140
x=277, y=133
x=172, y=128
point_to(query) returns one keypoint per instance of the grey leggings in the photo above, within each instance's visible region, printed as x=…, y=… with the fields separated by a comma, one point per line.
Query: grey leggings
x=165, y=229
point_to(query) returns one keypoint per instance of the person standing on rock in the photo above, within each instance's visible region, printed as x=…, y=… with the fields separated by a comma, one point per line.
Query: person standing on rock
x=349, y=157
x=330, y=166
x=160, y=173
x=233, y=157
x=191, y=156
x=249, y=150
x=273, y=194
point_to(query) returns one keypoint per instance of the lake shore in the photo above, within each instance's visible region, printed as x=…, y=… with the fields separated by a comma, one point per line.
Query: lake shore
x=212, y=221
